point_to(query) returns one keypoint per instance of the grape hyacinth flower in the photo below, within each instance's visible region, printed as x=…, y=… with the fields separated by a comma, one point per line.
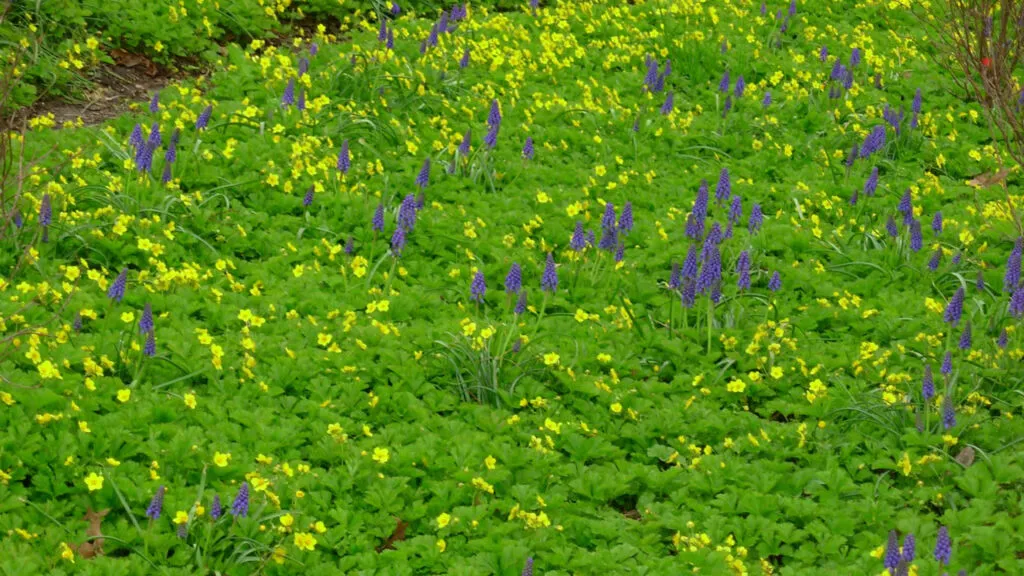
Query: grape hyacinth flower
x=514, y=279
x=156, y=505
x=288, y=97
x=528, y=148
x=117, y=287
x=823, y=53
x=890, y=227
x=146, y=319
x=1017, y=303
x=933, y=262
x=149, y=349
x=723, y=85
x=390, y=42
x=549, y=279
x=240, y=507
x=491, y=138
x=520, y=304
x=395, y=8
x=620, y=252
x=873, y=142
x=724, y=188
x=423, y=178
x=1003, y=340
x=956, y=258
x=966, y=337
x=626, y=218
x=651, y=77
x=45, y=216
x=743, y=271
x=937, y=223
x=477, y=288
x=915, y=108
x=528, y=568
x=464, y=61
x=948, y=414
x=735, y=209
x=350, y=245
x=792, y=7
x=669, y=104
x=377, y=224
x=872, y=182
x=1013, y=265
x=979, y=283
x=909, y=547
x=906, y=207
x=154, y=103
x=216, y=510
x=892, y=552
x=135, y=139
x=955, y=308
x=927, y=384
x=76, y=324
x=398, y=241
x=307, y=200
x=204, y=118
x=947, y=364
x=916, y=240
x=852, y=156
x=854, y=57
x=494, y=114
x=756, y=218
x=767, y=100
x=689, y=269
x=608, y=218
x=609, y=239
x=344, y=158
x=741, y=85
x=578, y=241
x=675, y=280
x=303, y=65
x=463, y=149
x=775, y=283
x=182, y=530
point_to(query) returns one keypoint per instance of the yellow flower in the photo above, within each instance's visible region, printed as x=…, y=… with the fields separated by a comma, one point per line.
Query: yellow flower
x=181, y=517
x=441, y=545
x=305, y=541
x=604, y=358
x=381, y=455
x=616, y=408
x=127, y=317
x=287, y=520
x=443, y=519
x=190, y=400
x=94, y=482
x=48, y=371
x=777, y=372
x=737, y=386
x=490, y=462
x=581, y=315
x=551, y=359
x=221, y=459
x=543, y=198
x=481, y=484
x=66, y=552
x=320, y=527
x=123, y=395
x=904, y=464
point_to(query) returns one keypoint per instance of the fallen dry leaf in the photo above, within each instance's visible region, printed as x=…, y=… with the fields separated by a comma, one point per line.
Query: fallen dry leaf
x=990, y=179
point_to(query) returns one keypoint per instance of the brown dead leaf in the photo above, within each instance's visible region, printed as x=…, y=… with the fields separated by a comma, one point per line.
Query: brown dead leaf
x=990, y=179
x=966, y=457
x=93, y=547
x=397, y=536
x=129, y=60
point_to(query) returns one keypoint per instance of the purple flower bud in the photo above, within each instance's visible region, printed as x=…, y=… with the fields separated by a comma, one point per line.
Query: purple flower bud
x=608, y=219
x=948, y=414
x=150, y=348
x=854, y=57
x=478, y=287
x=135, y=139
x=1003, y=340
x=464, y=145
x=743, y=271
x=823, y=53
x=344, y=158
x=675, y=280
x=528, y=148
x=423, y=178
x=154, y=139
x=146, y=319
x=927, y=384
x=45, y=215
x=156, y=505
x=723, y=85
x=966, y=337
x=1017, y=303
x=382, y=32
x=620, y=252
x=307, y=200
x=916, y=240
x=955, y=308
x=204, y=117
x=494, y=114
x=690, y=268
x=303, y=65
x=1013, y=267
x=395, y=8
x=741, y=85
x=669, y=104
x=76, y=324
x=520, y=304
x=288, y=97
x=390, y=43
x=947, y=364
x=578, y=241
x=933, y=262
x=892, y=552
x=792, y=7
x=216, y=510
x=756, y=218
x=549, y=279
x=937, y=223
x=491, y=138
x=240, y=507
x=464, y=61
x=528, y=568
x=514, y=280
x=377, y=224
x=767, y=100
x=979, y=283
x=724, y=188
x=872, y=182
x=398, y=241
x=626, y=218
x=117, y=288
x=154, y=103
x=909, y=547
x=890, y=227
x=775, y=283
